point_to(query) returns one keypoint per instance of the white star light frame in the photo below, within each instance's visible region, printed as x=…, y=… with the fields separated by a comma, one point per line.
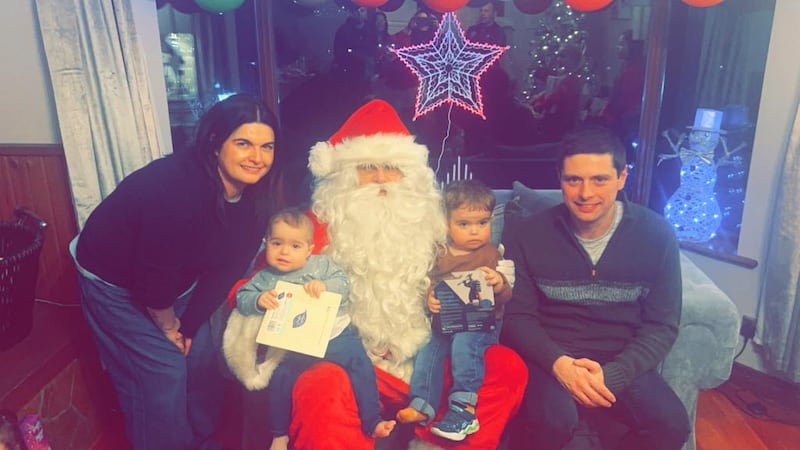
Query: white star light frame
x=449, y=68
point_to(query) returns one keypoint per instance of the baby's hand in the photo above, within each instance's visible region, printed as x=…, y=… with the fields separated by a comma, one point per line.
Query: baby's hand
x=493, y=279
x=434, y=305
x=314, y=288
x=268, y=300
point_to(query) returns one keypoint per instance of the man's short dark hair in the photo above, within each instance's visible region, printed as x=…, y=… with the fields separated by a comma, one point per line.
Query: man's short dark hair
x=592, y=140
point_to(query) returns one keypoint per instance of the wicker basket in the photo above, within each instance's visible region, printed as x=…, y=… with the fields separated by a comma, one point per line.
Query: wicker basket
x=20, y=246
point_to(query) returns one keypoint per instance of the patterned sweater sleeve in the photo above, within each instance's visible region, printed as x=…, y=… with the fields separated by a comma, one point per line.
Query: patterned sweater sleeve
x=661, y=311
x=247, y=295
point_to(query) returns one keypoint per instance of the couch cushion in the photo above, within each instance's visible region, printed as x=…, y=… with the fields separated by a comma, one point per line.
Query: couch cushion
x=523, y=202
x=533, y=200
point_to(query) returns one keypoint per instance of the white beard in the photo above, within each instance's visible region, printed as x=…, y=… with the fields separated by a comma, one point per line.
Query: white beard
x=387, y=245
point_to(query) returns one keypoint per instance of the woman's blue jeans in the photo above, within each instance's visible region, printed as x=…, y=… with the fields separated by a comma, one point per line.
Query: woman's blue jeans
x=170, y=401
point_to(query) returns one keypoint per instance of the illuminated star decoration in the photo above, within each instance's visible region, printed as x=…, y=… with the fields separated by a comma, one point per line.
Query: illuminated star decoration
x=449, y=68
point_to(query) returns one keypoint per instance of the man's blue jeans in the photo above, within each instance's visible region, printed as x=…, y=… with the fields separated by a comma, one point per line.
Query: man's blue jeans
x=655, y=416
x=466, y=350
x=347, y=351
x=170, y=401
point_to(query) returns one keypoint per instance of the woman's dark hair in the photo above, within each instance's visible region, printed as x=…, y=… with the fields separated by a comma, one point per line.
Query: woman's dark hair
x=216, y=125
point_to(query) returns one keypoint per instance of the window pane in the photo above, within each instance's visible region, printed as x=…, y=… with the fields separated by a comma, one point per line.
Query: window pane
x=713, y=78
x=206, y=57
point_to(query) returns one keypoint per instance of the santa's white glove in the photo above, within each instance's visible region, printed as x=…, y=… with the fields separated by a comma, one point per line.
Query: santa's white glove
x=506, y=267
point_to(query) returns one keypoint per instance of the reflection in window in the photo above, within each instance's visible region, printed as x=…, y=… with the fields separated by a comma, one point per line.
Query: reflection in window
x=205, y=58
x=177, y=54
x=564, y=69
x=715, y=66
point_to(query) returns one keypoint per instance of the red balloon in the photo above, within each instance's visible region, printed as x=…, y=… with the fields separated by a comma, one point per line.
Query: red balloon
x=444, y=6
x=587, y=5
x=370, y=3
x=532, y=6
x=702, y=3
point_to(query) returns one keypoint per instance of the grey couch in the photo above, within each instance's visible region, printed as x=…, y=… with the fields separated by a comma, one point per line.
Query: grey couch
x=702, y=355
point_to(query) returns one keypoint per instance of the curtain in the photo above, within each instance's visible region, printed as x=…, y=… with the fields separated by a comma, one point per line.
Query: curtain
x=105, y=114
x=733, y=53
x=779, y=306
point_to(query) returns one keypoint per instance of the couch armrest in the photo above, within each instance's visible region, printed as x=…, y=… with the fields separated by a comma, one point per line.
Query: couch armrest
x=709, y=330
x=702, y=356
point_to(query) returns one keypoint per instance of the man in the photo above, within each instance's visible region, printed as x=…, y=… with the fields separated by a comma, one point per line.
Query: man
x=624, y=107
x=558, y=108
x=596, y=305
x=487, y=30
x=384, y=223
x=355, y=45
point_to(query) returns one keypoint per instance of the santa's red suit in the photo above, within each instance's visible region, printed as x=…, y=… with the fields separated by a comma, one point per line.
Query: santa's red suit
x=385, y=236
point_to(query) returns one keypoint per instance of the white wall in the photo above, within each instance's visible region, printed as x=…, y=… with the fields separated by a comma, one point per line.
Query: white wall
x=27, y=109
x=27, y=106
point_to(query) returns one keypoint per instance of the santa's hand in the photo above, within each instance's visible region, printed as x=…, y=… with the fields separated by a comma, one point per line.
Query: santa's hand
x=506, y=267
x=314, y=288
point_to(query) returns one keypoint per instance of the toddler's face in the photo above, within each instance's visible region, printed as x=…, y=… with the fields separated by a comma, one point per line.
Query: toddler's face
x=288, y=247
x=469, y=228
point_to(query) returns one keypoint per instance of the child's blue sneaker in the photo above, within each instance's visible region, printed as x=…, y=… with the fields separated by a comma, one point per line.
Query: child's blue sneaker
x=458, y=423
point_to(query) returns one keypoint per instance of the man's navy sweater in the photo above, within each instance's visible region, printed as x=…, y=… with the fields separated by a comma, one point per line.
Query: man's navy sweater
x=622, y=312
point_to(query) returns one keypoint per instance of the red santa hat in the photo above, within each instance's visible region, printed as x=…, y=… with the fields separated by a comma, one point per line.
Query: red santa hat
x=373, y=134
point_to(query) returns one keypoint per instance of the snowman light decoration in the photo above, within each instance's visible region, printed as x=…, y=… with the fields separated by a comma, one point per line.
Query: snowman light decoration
x=692, y=209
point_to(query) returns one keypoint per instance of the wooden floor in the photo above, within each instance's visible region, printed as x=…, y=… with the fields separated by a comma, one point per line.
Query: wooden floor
x=723, y=426
x=751, y=411
x=724, y=419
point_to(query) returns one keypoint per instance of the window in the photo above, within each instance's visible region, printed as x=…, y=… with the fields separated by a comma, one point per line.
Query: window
x=640, y=67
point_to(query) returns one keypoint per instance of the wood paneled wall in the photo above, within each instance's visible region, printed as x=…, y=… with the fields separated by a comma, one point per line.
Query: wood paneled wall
x=35, y=176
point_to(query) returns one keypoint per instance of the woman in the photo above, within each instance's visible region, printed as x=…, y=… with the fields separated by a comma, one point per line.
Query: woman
x=158, y=256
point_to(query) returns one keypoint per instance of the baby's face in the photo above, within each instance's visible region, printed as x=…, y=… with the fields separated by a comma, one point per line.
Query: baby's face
x=288, y=247
x=469, y=228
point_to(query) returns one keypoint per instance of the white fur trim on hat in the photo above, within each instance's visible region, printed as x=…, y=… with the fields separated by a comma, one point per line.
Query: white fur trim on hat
x=382, y=148
x=240, y=348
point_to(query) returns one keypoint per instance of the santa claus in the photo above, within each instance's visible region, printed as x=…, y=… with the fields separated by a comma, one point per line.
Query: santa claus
x=381, y=218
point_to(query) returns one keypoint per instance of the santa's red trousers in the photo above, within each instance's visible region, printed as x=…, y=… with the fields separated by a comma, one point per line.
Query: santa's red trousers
x=325, y=416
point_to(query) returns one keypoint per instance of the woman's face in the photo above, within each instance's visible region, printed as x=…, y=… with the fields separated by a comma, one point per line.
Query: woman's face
x=245, y=157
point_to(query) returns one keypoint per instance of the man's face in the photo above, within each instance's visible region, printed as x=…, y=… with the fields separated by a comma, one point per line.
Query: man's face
x=589, y=185
x=486, y=14
x=378, y=174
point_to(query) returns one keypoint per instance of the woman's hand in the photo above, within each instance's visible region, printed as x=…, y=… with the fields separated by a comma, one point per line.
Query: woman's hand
x=268, y=300
x=170, y=325
x=177, y=338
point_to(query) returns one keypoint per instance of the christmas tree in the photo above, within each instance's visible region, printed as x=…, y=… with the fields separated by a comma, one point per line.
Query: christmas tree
x=559, y=25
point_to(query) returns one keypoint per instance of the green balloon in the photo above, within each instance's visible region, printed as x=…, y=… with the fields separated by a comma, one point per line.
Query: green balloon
x=219, y=6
